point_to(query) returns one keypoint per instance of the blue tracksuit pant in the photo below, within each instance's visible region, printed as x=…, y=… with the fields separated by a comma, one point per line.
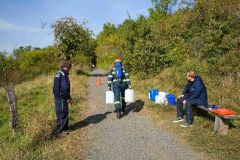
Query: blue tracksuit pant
x=119, y=94
x=61, y=108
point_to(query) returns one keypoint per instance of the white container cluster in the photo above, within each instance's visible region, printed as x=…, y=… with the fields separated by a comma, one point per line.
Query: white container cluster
x=161, y=98
x=129, y=96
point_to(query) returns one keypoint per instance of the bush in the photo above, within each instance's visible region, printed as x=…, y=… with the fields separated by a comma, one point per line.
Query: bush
x=37, y=62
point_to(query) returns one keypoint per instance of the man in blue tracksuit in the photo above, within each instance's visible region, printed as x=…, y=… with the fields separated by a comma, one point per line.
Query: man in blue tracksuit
x=118, y=77
x=194, y=94
x=61, y=91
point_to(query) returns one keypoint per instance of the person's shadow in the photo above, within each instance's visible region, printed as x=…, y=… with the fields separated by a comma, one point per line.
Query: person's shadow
x=89, y=120
x=137, y=106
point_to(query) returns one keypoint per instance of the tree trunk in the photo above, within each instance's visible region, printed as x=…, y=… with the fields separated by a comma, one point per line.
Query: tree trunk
x=12, y=101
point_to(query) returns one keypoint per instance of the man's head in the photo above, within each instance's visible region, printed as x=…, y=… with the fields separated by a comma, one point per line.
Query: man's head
x=66, y=65
x=191, y=76
x=118, y=62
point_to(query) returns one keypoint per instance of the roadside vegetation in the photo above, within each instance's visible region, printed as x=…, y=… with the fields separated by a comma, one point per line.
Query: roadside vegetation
x=35, y=139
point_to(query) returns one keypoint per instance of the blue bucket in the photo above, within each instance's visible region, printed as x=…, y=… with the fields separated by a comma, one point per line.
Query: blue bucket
x=152, y=93
x=171, y=99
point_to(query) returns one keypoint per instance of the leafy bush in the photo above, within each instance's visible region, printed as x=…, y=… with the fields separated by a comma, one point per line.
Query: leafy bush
x=204, y=30
x=37, y=62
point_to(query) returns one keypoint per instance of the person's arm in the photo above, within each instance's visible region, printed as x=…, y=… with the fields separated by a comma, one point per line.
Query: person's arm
x=127, y=78
x=57, y=84
x=110, y=79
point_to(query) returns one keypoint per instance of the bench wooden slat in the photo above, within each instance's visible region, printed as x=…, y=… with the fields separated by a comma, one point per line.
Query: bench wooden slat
x=221, y=121
x=223, y=116
x=231, y=116
x=204, y=108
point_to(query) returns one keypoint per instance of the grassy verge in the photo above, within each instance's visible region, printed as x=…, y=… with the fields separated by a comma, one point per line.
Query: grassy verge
x=201, y=136
x=37, y=120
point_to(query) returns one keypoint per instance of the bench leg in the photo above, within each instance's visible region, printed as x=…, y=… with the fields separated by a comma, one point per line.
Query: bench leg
x=221, y=125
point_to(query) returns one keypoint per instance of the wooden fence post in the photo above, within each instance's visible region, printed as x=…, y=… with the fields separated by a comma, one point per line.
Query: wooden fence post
x=12, y=101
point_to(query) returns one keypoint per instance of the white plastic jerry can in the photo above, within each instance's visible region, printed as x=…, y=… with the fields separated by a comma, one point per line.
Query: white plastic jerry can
x=129, y=95
x=109, y=97
x=161, y=98
x=157, y=99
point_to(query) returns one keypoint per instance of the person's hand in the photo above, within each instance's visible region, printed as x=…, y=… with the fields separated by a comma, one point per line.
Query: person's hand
x=129, y=87
x=180, y=96
x=109, y=89
x=184, y=102
x=69, y=101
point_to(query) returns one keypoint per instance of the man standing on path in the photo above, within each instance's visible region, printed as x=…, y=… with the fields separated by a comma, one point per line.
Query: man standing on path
x=118, y=77
x=61, y=91
x=194, y=94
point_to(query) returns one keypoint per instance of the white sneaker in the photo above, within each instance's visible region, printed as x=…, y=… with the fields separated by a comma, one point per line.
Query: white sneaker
x=185, y=125
x=179, y=119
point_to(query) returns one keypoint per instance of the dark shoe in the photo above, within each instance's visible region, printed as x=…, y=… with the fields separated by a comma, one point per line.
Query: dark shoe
x=118, y=114
x=124, y=110
x=65, y=132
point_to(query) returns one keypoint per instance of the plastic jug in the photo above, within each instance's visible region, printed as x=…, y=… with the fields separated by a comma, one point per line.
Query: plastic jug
x=171, y=99
x=161, y=98
x=129, y=95
x=109, y=97
x=152, y=94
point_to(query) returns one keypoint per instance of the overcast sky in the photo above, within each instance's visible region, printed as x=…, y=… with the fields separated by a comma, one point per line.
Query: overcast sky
x=21, y=20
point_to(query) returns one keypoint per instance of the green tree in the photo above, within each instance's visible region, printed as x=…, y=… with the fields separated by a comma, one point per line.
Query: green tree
x=162, y=7
x=72, y=38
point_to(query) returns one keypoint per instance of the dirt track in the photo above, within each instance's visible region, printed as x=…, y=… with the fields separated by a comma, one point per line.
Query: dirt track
x=132, y=137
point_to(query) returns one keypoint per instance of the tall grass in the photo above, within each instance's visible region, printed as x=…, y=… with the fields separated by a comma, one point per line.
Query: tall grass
x=37, y=120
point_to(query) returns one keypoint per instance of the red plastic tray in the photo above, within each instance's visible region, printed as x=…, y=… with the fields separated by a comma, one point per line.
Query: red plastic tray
x=223, y=111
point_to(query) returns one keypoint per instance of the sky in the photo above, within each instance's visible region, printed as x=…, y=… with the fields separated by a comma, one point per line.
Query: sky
x=21, y=20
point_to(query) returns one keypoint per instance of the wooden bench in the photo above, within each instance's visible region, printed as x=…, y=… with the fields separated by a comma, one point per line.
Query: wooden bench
x=221, y=121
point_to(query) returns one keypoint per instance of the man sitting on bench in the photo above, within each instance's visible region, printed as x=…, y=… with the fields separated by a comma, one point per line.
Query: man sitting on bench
x=194, y=94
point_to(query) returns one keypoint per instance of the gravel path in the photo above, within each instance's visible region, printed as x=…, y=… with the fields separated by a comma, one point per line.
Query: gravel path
x=132, y=137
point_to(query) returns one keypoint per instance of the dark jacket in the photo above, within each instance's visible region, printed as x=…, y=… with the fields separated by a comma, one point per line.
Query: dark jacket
x=61, y=87
x=195, y=92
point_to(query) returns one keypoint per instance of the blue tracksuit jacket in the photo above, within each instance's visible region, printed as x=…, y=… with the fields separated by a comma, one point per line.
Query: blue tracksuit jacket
x=196, y=92
x=61, y=87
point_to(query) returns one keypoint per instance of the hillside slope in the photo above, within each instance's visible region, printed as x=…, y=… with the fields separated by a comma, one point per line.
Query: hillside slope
x=37, y=119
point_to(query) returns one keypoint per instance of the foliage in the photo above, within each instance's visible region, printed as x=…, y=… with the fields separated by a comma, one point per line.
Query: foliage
x=73, y=38
x=162, y=6
x=18, y=51
x=37, y=62
x=107, y=49
x=9, y=69
x=203, y=30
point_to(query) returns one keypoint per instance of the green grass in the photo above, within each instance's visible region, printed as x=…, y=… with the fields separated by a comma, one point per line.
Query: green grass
x=37, y=120
x=201, y=136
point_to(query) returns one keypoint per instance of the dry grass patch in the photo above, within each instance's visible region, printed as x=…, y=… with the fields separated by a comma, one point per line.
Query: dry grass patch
x=37, y=120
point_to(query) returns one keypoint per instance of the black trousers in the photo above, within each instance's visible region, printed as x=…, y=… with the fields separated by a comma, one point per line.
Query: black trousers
x=188, y=110
x=61, y=109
